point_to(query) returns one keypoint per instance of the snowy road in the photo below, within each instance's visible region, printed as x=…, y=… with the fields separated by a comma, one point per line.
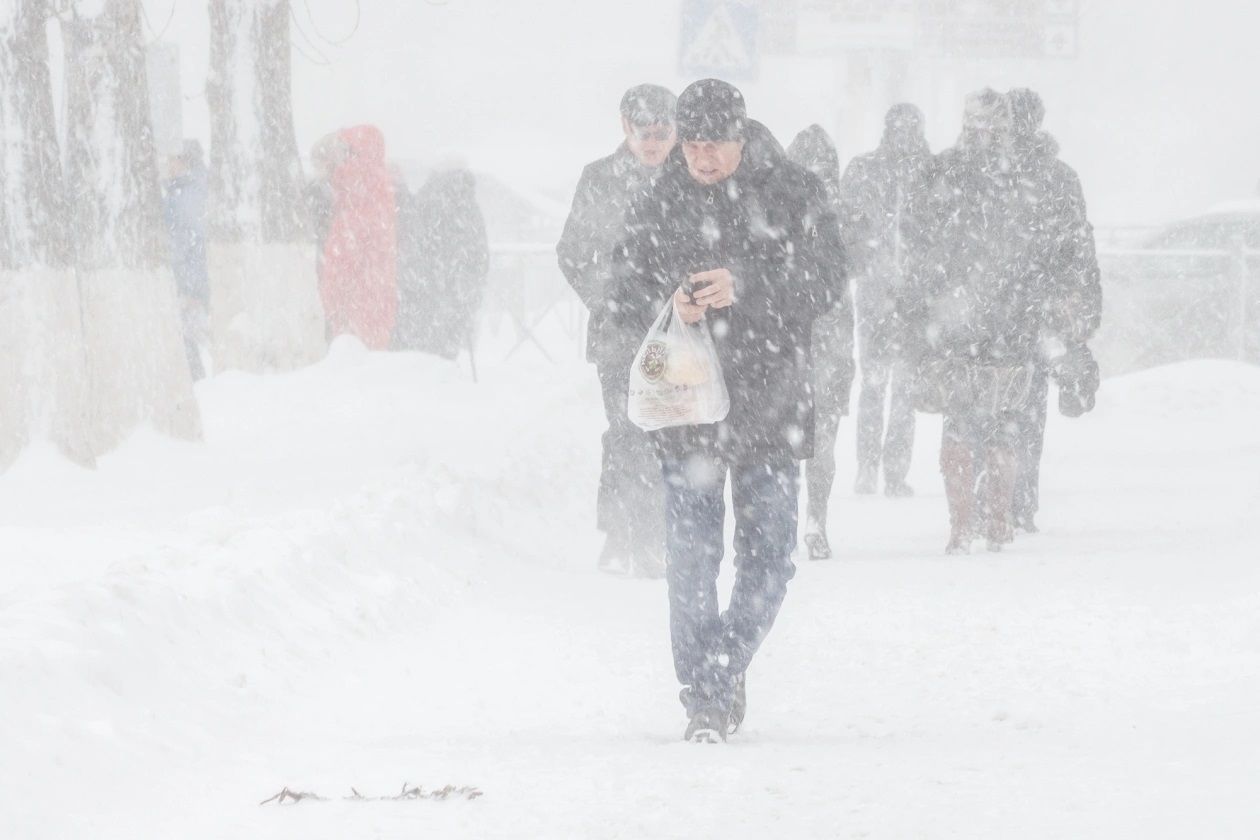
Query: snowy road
x=374, y=572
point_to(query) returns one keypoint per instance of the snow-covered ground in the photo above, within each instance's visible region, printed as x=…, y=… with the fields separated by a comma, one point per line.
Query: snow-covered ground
x=374, y=572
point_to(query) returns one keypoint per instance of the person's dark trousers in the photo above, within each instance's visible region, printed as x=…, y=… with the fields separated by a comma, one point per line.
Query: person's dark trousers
x=820, y=471
x=712, y=648
x=879, y=376
x=981, y=467
x=630, y=507
x=833, y=379
x=1032, y=438
x=194, y=324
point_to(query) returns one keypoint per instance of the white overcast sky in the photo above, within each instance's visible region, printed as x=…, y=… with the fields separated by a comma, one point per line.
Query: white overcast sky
x=1160, y=111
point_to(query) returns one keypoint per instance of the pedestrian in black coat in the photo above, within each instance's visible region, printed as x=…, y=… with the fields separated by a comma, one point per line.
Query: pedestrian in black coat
x=976, y=318
x=833, y=355
x=737, y=236
x=1063, y=279
x=443, y=265
x=630, y=505
x=877, y=192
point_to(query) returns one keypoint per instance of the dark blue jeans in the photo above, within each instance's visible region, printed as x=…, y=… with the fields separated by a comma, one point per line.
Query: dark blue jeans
x=712, y=648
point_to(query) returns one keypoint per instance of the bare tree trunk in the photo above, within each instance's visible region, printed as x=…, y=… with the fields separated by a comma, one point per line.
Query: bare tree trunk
x=111, y=161
x=41, y=338
x=256, y=174
x=265, y=310
x=137, y=365
x=32, y=197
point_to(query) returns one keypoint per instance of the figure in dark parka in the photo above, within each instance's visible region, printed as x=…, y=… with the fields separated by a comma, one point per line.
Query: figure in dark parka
x=630, y=506
x=1064, y=282
x=736, y=235
x=976, y=318
x=443, y=265
x=877, y=192
x=833, y=356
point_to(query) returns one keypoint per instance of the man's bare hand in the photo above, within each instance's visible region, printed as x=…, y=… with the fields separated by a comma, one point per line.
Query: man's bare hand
x=714, y=288
x=688, y=311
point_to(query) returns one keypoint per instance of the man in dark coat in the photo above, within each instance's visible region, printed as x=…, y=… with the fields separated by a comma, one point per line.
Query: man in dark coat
x=1064, y=280
x=630, y=508
x=833, y=356
x=443, y=263
x=185, y=208
x=876, y=191
x=977, y=317
x=739, y=237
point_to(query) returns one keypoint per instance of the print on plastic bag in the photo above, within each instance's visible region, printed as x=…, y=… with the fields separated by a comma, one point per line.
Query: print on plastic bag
x=676, y=378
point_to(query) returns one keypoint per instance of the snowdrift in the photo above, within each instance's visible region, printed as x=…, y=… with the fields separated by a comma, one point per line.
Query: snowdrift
x=374, y=571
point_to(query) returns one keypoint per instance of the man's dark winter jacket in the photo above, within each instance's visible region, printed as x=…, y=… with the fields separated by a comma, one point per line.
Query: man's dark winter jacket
x=877, y=192
x=1009, y=255
x=972, y=298
x=833, y=334
x=443, y=263
x=772, y=226
x=1065, y=277
x=595, y=225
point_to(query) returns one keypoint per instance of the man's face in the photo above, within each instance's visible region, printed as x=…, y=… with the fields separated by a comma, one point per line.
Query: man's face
x=650, y=144
x=711, y=161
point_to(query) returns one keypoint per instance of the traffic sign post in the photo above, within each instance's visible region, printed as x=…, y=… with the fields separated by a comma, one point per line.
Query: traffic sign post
x=719, y=38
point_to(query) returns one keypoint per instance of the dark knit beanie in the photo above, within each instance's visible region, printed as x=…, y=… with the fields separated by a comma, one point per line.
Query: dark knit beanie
x=711, y=109
x=646, y=105
x=1027, y=110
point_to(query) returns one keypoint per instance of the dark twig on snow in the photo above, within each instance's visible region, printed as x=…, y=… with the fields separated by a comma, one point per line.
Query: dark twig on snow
x=412, y=793
x=286, y=794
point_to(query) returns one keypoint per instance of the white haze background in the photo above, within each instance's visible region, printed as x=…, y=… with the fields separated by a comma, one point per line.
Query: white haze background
x=1158, y=113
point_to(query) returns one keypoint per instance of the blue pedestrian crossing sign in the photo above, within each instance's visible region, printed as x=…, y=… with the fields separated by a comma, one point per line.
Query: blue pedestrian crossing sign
x=719, y=39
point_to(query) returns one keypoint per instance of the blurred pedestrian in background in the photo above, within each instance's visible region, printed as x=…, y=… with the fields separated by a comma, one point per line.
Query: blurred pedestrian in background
x=832, y=351
x=359, y=260
x=184, y=197
x=630, y=507
x=443, y=264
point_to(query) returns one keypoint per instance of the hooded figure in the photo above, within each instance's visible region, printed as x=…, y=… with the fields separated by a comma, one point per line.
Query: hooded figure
x=744, y=242
x=358, y=269
x=833, y=355
x=978, y=319
x=1062, y=281
x=877, y=193
x=444, y=259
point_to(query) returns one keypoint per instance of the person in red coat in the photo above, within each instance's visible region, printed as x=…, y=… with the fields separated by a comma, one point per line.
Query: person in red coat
x=358, y=270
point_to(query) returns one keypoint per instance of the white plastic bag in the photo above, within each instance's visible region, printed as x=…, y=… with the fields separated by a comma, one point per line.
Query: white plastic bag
x=676, y=378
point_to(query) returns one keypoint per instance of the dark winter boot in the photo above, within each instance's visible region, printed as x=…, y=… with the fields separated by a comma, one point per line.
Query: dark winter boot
x=816, y=541
x=867, y=481
x=647, y=563
x=1026, y=523
x=708, y=725
x=959, y=470
x=739, y=707
x=897, y=488
x=614, y=558
x=1000, y=497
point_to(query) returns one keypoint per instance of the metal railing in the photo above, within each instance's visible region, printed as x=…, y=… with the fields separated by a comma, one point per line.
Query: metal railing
x=1163, y=306
x=1159, y=306
x=529, y=299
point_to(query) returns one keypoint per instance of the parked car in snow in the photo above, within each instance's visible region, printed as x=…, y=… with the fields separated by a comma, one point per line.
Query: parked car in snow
x=1191, y=291
x=1218, y=229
